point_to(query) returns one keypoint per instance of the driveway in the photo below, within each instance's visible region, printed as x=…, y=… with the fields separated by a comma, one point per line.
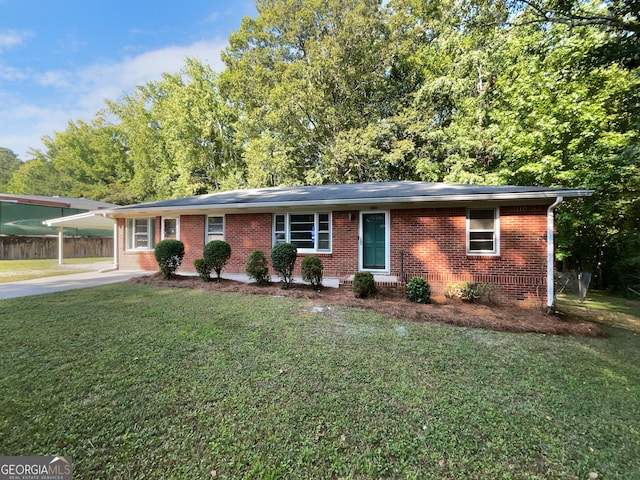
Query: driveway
x=39, y=286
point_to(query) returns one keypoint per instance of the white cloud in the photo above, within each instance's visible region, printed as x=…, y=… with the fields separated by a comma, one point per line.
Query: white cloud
x=11, y=38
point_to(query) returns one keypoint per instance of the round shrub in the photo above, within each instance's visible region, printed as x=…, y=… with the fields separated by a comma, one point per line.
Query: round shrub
x=203, y=269
x=216, y=253
x=283, y=259
x=418, y=290
x=312, y=271
x=258, y=268
x=364, y=285
x=169, y=254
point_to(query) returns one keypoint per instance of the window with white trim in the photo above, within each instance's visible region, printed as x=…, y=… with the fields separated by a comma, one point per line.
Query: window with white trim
x=215, y=228
x=141, y=233
x=170, y=228
x=483, y=227
x=310, y=232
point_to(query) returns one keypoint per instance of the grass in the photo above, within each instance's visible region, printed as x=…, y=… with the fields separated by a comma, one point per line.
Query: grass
x=135, y=381
x=603, y=308
x=16, y=270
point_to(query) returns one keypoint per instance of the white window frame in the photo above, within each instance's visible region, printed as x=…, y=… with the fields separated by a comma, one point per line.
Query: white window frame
x=150, y=234
x=495, y=231
x=177, y=219
x=284, y=235
x=206, y=227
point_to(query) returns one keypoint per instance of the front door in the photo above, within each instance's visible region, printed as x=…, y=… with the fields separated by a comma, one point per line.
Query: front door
x=374, y=241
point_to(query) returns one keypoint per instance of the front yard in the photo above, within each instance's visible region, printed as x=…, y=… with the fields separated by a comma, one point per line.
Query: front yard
x=137, y=381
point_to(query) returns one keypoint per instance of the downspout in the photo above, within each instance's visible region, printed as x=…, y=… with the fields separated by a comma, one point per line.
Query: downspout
x=551, y=301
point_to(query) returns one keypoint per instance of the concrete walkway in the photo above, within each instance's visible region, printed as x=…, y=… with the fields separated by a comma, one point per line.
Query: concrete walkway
x=61, y=283
x=73, y=281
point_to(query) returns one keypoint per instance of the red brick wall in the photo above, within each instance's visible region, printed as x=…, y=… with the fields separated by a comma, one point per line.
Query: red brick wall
x=246, y=233
x=192, y=234
x=433, y=242
x=434, y=246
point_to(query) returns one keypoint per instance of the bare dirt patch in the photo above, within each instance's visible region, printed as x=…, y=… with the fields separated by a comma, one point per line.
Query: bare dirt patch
x=441, y=310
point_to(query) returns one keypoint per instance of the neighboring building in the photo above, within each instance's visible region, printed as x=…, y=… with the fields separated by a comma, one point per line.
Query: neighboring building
x=23, y=234
x=446, y=233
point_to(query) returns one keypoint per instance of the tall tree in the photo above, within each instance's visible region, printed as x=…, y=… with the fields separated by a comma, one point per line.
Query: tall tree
x=557, y=123
x=307, y=77
x=179, y=135
x=37, y=176
x=9, y=163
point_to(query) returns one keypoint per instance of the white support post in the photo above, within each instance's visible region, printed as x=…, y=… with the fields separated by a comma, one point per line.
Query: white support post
x=115, y=245
x=60, y=245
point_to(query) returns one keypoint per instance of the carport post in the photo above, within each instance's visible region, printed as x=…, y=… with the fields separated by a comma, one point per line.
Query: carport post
x=60, y=245
x=115, y=244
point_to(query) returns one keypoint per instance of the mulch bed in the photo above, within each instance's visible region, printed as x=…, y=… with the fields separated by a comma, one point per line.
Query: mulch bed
x=441, y=310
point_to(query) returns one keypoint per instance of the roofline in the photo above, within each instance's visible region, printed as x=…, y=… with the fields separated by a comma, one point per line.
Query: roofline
x=541, y=195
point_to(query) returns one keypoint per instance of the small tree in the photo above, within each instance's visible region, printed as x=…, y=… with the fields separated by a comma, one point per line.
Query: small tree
x=283, y=259
x=216, y=253
x=312, y=271
x=364, y=285
x=203, y=269
x=418, y=290
x=258, y=268
x=169, y=254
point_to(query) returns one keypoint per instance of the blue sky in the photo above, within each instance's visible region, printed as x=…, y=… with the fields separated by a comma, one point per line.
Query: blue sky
x=60, y=60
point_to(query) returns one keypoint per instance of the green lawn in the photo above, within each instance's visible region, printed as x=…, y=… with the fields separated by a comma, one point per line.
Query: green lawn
x=139, y=382
x=16, y=270
x=603, y=308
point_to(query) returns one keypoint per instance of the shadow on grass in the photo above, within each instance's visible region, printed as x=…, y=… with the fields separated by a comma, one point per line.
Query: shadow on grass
x=603, y=309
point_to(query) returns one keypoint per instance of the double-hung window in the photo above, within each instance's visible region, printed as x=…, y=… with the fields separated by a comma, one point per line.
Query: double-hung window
x=483, y=231
x=141, y=233
x=310, y=232
x=215, y=228
x=170, y=228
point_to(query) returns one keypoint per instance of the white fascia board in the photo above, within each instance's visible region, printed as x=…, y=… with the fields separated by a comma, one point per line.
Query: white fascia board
x=91, y=219
x=272, y=206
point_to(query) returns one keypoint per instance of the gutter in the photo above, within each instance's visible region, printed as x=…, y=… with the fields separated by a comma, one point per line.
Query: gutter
x=551, y=300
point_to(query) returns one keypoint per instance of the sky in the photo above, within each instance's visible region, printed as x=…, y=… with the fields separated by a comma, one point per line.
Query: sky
x=59, y=60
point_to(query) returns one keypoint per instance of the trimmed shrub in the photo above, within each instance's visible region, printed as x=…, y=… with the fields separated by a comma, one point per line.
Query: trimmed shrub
x=283, y=259
x=474, y=292
x=216, y=253
x=312, y=271
x=258, y=268
x=203, y=269
x=364, y=285
x=169, y=254
x=418, y=290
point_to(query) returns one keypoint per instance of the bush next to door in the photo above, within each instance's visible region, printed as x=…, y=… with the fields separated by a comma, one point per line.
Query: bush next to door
x=257, y=267
x=364, y=285
x=169, y=254
x=312, y=271
x=418, y=290
x=216, y=253
x=283, y=259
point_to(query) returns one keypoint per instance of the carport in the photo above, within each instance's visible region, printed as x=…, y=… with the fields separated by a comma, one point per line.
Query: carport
x=94, y=219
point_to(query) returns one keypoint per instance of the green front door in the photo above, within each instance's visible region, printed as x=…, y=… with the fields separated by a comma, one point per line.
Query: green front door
x=374, y=245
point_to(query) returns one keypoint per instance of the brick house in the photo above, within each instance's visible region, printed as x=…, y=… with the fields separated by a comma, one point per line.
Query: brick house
x=447, y=233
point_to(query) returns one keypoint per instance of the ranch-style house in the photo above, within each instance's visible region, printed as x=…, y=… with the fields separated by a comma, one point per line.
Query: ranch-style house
x=446, y=233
